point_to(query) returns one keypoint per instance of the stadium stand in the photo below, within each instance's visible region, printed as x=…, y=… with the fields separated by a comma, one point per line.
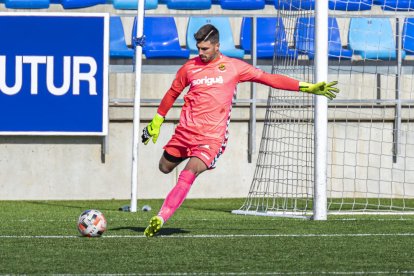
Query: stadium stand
x=161, y=38
x=350, y=5
x=188, y=4
x=227, y=46
x=242, y=4
x=270, y=29
x=76, y=4
x=395, y=5
x=408, y=36
x=117, y=44
x=359, y=40
x=133, y=4
x=372, y=38
x=295, y=5
x=304, y=38
x=27, y=4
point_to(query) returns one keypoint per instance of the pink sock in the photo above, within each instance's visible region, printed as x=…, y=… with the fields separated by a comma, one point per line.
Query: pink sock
x=177, y=195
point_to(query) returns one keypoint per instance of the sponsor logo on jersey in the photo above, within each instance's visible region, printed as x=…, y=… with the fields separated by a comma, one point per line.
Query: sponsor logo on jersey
x=208, y=81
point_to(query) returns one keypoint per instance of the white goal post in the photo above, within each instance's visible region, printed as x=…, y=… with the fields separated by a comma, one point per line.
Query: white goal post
x=321, y=112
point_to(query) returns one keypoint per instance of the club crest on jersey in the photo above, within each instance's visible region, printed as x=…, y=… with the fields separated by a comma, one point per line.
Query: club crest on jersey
x=222, y=67
x=208, y=81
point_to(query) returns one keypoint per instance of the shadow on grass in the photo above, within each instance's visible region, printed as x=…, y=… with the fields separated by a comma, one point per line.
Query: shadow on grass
x=58, y=204
x=163, y=232
x=65, y=205
x=207, y=209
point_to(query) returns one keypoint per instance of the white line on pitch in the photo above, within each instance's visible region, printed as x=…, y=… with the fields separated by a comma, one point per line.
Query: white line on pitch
x=254, y=273
x=215, y=236
x=145, y=220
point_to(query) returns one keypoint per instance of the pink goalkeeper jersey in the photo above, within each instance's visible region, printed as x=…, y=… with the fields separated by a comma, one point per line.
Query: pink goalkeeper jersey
x=207, y=104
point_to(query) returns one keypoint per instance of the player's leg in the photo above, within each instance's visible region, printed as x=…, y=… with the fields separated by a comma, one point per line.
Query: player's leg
x=177, y=195
x=175, y=151
x=204, y=155
x=168, y=162
x=195, y=165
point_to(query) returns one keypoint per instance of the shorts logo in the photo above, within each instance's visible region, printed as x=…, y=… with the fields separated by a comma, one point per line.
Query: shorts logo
x=222, y=67
x=204, y=146
x=205, y=155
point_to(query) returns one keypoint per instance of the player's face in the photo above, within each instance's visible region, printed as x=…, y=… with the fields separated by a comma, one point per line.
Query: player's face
x=207, y=51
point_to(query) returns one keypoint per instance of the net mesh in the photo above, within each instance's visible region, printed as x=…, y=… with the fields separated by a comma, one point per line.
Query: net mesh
x=283, y=177
x=370, y=124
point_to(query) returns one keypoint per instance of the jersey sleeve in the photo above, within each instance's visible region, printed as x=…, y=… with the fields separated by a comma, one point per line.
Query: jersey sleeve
x=278, y=81
x=178, y=85
x=248, y=72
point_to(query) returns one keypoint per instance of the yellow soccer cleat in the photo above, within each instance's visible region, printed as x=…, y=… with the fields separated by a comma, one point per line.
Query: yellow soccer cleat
x=154, y=226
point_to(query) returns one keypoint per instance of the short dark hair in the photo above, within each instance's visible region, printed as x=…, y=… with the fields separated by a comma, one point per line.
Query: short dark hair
x=207, y=33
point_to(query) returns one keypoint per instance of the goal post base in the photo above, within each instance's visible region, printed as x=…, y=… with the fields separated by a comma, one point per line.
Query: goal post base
x=309, y=216
x=298, y=215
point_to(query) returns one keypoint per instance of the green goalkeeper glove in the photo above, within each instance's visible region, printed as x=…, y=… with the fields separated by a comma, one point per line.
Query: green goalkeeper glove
x=152, y=130
x=320, y=88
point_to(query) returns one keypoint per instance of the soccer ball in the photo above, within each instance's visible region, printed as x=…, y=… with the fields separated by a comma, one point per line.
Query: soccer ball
x=91, y=223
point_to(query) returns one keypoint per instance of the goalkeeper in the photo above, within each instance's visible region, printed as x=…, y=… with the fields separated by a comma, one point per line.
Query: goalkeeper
x=202, y=133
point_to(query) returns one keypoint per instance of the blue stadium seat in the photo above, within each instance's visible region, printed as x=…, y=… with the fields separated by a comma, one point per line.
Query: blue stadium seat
x=75, y=4
x=27, y=4
x=242, y=4
x=188, y=4
x=117, y=44
x=372, y=38
x=161, y=38
x=395, y=5
x=295, y=5
x=133, y=4
x=304, y=38
x=269, y=31
x=270, y=2
x=408, y=36
x=227, y=46
x=350, y=5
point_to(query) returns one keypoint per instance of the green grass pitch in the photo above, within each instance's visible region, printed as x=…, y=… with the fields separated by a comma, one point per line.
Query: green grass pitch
x=202, y=238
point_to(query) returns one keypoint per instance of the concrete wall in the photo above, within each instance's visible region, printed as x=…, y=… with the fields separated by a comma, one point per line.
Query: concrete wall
x=72, y=168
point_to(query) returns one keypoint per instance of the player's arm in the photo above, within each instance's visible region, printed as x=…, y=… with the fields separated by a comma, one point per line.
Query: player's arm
x=250, y=73
x=152, y=130
x=286, y=83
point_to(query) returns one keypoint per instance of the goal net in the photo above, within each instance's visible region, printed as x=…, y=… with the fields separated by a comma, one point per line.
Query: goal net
x=370, y=156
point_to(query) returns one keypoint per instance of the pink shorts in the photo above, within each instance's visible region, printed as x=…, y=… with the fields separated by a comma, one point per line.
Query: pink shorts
x=184, y=145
